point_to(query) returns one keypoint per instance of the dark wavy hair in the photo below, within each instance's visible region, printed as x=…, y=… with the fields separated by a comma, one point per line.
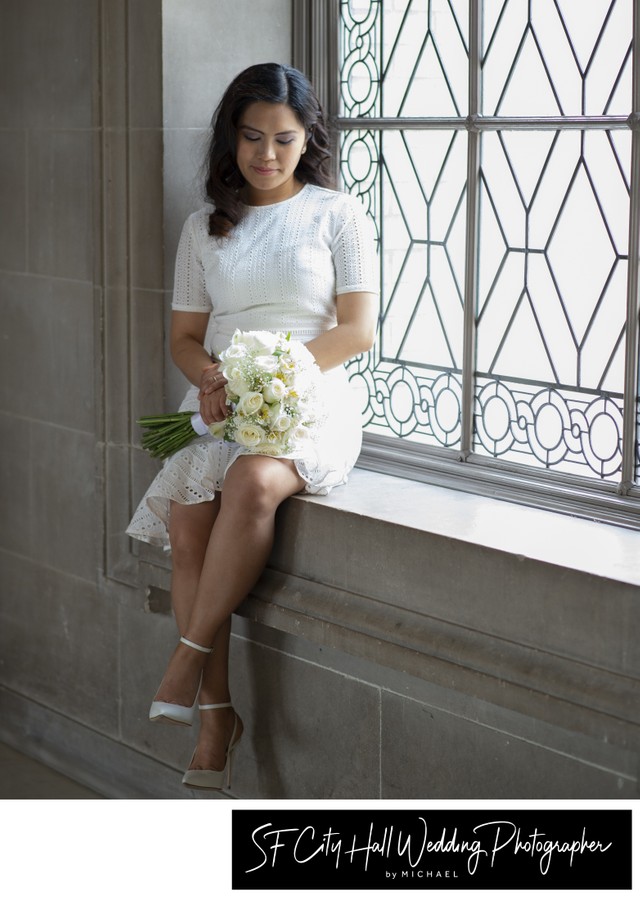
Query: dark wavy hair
x=267, y=82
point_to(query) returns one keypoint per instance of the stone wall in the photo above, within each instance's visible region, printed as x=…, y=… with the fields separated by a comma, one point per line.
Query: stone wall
x=57, y=632
x=405, y=642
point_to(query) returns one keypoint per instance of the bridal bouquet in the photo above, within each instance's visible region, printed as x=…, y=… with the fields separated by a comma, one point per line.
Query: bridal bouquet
x=273, y=390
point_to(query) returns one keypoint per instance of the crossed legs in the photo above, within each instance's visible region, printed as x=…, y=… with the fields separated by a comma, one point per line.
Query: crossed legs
x=219, y=550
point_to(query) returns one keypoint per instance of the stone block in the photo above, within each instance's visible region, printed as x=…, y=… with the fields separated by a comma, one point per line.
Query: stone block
x=147, y=363
x=13, y=48
x=60, y=204
x=115, y=69
x=428, y=753
x=115, y=193
x=116, y=365
x=120, y=564
x=63, y=509
x=144, y=39
x=47, y=336
x=310, y=733
x=15, y=484
x=146, y=224
x=58, y=64
x=58, y=641
x=13, y=187
x=46, y=63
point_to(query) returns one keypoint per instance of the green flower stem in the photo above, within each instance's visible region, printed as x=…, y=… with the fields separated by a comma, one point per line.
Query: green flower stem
x=165, y=434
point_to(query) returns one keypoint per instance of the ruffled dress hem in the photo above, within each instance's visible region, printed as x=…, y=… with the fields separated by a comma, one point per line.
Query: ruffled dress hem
x=196, y=473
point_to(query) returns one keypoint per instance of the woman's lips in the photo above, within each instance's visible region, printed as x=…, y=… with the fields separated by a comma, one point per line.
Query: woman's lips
x=265, y=171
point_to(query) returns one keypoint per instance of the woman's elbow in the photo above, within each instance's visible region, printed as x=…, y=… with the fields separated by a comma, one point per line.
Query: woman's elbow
x=175, y=347
x=367, y=334
x=366, y=343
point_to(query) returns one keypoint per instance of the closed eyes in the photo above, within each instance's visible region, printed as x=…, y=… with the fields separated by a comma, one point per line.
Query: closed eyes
x=282, y=143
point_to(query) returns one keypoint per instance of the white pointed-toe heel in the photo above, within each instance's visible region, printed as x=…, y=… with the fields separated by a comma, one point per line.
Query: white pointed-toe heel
x=170, y=712
x=214, y=779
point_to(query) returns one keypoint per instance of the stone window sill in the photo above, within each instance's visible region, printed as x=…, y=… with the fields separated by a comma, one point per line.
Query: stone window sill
x=589, y=547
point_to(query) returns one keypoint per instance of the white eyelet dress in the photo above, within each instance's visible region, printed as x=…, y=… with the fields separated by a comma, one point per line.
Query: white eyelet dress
x=280, y=269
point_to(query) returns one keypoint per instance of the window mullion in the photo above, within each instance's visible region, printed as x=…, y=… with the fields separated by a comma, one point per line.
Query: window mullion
x=472, y=235
x=315, y=52
x=633, y=282
x=302, y=36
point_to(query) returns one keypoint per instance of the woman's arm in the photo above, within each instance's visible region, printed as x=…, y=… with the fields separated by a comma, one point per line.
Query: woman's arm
x=188, y=331
x=357, y=316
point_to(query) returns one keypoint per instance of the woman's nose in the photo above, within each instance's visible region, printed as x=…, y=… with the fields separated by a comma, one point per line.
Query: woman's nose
x=267, y=150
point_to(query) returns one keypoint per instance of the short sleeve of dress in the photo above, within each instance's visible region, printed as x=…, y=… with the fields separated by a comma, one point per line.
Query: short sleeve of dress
x=189, y=290
x=354, y=252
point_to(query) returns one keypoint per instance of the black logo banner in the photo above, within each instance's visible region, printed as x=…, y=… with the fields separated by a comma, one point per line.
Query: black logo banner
x=422, y=849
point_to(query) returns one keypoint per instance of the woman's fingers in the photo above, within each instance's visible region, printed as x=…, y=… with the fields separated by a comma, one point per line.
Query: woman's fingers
x=211, y=379
x=212, y=382
x=222, y=404
x=213, y=406
x=212, y=395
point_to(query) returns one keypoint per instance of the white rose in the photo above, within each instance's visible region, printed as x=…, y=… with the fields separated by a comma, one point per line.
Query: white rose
x=257, y=341
x=271, y=445
x=250, y=403
x=267, y=449
x=235, y=351
x=217, y=429
x=267, y=363
x=281, y=423
x=236, y=381
x=275, y=390
x=249, y=435
x=273, y=411
x=300, y=433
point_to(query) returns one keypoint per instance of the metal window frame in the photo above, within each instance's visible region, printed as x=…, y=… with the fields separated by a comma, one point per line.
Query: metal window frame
x=315, y=51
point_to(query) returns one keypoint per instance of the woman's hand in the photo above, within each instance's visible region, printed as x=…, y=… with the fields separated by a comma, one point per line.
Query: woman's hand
x=188, y=330
x=212, y=395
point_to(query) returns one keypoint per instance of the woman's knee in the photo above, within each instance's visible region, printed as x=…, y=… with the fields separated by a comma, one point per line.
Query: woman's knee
x=258, y=485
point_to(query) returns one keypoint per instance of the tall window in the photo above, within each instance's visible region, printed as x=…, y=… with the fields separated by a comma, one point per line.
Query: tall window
x=495, y=145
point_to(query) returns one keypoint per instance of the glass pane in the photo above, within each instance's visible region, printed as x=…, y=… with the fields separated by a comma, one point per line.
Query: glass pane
x=554, y=212
x=556, y=57
x=414, y=184
x=403, y=58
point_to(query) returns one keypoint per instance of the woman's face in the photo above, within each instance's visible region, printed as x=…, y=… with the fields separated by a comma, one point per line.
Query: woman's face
x=270, y=143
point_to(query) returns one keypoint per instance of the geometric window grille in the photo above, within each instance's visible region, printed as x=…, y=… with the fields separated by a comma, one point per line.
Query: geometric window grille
x=496, y=145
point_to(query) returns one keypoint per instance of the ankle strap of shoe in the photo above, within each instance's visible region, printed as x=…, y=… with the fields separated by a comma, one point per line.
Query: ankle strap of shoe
x=194, y=645
x=213, y=707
